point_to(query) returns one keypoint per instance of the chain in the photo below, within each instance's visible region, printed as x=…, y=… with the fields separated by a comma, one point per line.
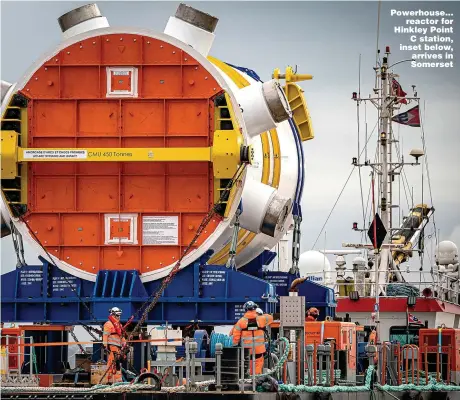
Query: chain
x=74, y=336
x=296, y=245
x=167, y=280
x=90, y=330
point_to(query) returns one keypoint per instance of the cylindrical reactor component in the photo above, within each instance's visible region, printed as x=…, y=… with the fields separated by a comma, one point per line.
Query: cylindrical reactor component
x=263, y=209
x=263, y=105
x=193, y=27
x=81, y=19
x=150, y=236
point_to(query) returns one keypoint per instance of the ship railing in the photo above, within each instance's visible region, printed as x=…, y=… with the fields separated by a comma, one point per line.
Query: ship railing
x=415, y=364
x=428, y=284
x=440, y=368
x=391, y=363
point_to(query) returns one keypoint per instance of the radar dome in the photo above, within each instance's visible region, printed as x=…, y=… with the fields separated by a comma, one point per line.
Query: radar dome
x=315, y=266
x=447, y=253
x=359, y=262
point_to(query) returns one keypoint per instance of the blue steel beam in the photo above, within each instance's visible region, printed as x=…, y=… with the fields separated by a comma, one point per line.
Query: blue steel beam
x=208, y=294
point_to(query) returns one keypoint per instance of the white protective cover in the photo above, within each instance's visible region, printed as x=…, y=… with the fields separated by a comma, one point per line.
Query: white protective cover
x=195, y=37
x=290, y=158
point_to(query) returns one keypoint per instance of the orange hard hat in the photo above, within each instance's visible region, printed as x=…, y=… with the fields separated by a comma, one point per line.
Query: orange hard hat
x=313, y=311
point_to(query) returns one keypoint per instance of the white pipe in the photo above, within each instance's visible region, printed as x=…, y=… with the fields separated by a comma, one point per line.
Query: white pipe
x=96, y=23
x=195, y=37
x=263, y=209
x=81, y=20
x=264, y=105
x=192, y=27
x=256, y=198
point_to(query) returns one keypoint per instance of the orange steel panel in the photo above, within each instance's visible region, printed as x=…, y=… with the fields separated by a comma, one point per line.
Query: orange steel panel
x=81, y=229
x=188, y=118
x=97, y=193
x=120, y=81
x=44, y=83
x=198, y=82
x=86, y=52
x=188, y=168
x=144, y=193
x=187, y=142
x=46, y=227
x=188, y=60
x=161, y=81
x=158, y=52
x=190, y=223
x=80, y=82
x=55, y=251
x=54, y=194
x=187, y=193
x=98, y=168
x=121, y=49
x=120, y=228
x=42, y=328
x=53, y=168
x=41, y=142
x=54, y=118
x=144, y=118
x=113, y=259
x=144, y=168
x=84, y=258
x=156, y=257
x=69, y=108
x=95, y=168
x=98, y=118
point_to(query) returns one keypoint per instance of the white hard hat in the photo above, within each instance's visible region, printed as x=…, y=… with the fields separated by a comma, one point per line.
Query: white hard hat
x=115, y=311
x=259, y=311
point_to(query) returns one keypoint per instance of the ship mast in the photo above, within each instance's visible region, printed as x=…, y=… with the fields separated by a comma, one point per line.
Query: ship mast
x=385, y=102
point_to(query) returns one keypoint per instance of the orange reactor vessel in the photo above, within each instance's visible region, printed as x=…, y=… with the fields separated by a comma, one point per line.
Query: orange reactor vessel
x=118, y=144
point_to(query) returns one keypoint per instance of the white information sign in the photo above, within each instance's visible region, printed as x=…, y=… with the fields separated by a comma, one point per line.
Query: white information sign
x=62, y=154
x=160, y=230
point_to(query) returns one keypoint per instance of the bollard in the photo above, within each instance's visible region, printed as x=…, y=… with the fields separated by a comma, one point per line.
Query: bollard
x=320, y=372
x=219, y=348
x=370, y=351
x=193, y=350
x=310, y=349
x=327, y=355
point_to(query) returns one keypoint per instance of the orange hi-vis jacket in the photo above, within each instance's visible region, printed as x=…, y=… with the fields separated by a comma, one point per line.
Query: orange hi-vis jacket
x=110, y=336
x=250, y=329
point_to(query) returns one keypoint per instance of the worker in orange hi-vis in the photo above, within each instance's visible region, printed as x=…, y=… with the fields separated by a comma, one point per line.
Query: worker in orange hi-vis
x=312, y=314
x=250, y=331
x=113, y=341
x=373, y=341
